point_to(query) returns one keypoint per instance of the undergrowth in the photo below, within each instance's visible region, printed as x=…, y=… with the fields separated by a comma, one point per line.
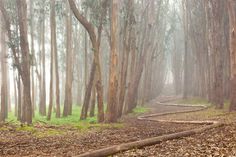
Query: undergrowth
x=72, y=121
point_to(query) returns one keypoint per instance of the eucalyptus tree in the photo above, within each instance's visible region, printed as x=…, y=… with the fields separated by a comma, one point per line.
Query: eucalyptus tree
x=69, y=64
x=4, y=106
x=96, y=67
x=113, y=70
x=232, y=18
x=25, y=65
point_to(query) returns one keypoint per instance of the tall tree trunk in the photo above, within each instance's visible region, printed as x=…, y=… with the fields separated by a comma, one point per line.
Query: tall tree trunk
x=186, y=51
x=4, y=80
x=127, y=41
x=113, y=76
x=96, y=67
x=58, y=110
x=32, y=54
x=232, y=19
x=217, y=35
x=53, y=46
x=42, y=103
x=69, y=65
x=22, y=12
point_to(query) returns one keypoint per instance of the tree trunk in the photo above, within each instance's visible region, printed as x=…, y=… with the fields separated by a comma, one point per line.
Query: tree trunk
x=53, y=46
x=113, y=76
x=4, y=80
x=96, y=69
x=32, y=54
x=19, y=112
x=42, y=103
x=58, y=110
x=232, y=19
x=128, y=33
x=186, y=51
x=217, y=36
x=87, y=95
x=69, y=63
x=92, y=103
x=22, y=12
x=15, y=92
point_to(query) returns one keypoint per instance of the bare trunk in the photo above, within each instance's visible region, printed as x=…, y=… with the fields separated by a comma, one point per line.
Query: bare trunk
x=69, y=63
x=232, y=18
x=53, y=46
x=22, y=12
x=92, y=103
x=4, y=80
x=42, y=103
x=58, y=110
x=113, y=76
x=33, y=55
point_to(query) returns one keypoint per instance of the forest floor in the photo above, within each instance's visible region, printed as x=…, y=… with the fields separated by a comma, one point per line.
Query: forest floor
x=216, y=142
x=63, y=140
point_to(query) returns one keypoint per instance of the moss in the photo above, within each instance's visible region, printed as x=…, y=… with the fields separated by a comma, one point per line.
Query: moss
x=4, y=128
x=48, y=132
x=26, y=128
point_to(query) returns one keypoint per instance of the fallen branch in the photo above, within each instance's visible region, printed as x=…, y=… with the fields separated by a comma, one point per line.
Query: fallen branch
x=155, y=140
x=146, y=142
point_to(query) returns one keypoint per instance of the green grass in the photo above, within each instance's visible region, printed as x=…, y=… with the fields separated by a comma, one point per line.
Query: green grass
x=69, y=121
x=40, y=123
x=140, y=109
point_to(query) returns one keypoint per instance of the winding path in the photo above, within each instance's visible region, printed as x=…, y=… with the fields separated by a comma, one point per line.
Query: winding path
x=169, y=109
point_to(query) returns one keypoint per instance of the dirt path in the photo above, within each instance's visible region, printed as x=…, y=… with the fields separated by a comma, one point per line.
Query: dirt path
x=15, y=142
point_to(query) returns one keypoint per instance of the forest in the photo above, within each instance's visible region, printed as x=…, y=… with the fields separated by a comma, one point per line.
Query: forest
x=135, y=78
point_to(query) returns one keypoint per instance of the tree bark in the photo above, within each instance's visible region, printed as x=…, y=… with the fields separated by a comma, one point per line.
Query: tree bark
x=4, y=80
x=22, y=12
x=113, y=76
x=96, y=68
x=42, y=103
x=58, y=110
x=69, y=73
x=33, y=55
x=232, y=19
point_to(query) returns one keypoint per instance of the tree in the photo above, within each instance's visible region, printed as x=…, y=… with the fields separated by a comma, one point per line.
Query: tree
x=113, y=74
x=4, y=100
x=140, y=58
x=217, y=36
x=32, y=54
x=58, y=110
x=127, y=41
x=54, y=65
x=96, y=67
x=232, y=19
x=42, y=101
x=25, y=67
x=69, y=65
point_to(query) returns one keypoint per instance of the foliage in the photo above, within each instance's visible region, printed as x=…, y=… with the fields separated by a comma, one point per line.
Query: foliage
x=96, y=11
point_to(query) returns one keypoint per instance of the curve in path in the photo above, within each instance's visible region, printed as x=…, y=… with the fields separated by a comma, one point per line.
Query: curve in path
x=155, y=140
